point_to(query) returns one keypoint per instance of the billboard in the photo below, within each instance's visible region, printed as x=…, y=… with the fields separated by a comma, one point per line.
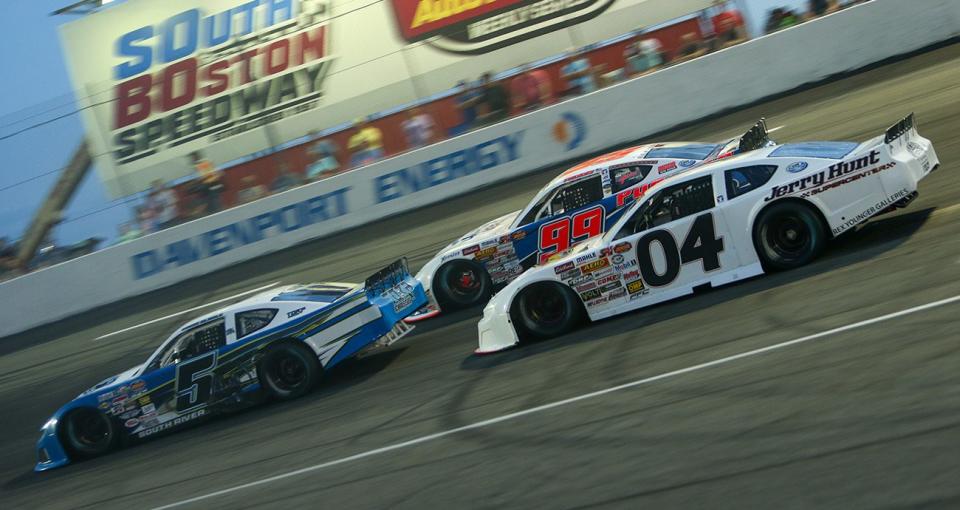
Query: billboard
x=158, y=80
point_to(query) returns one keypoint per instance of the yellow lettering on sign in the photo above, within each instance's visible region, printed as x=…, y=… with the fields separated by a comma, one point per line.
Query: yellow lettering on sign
x=430, y=11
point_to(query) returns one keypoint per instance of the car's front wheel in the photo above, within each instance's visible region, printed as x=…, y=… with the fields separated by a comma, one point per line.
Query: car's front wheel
x=788, y=235
x=88, y=432
x=546, y=310
x=289, y=370
x=462, y=284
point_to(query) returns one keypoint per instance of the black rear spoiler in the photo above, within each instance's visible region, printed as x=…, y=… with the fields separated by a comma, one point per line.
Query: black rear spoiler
x=388, y=277
x=899, y=129
x=755, y=138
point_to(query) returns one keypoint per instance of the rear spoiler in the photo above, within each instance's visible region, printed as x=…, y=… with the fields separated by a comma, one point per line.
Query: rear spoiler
x=899, y=129
x=387, y=278
x=755, y=138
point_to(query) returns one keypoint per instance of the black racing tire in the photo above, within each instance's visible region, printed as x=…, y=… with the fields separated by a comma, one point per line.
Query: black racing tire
x=546, y=310
x=461, y=284
x=788, y=234
x=288, y=370
x=86, y=433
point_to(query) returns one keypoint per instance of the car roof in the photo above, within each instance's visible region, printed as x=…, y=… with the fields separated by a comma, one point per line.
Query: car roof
x=657, y=151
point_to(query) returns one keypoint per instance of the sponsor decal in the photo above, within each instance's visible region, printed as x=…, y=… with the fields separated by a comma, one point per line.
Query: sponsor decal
x=488, y=243
x=915, y=149
x=599, y=301
x=117, y=409
x=569, y=275
x=179, y=420
x=581, y=280
x=590, y=295
x=833, y=176
x=611, y=286
x=622, y=247
x=870, y=212
x=480, y=26
x=119, y=399
x=504, y=239
x=617, y=259
x=144, y=400
x=636, y=192
x=799, y=166
x=562, y=268
x=470, y=250
x=137, y=385
x=570, y=131
x=617, y=294
x=130, y=414
x=104, y=405
x=518, y=235
x=131, y=423
x=596, y=265
x=632, y=275
x=607, y=279
x=587, y=286
x=687, y=163
x=105, y=396
x=622, y=268
x=668, y=167
x=635, y=286
x=148, y=409
x=584, y=258
x=649, y=162
x=486, y=253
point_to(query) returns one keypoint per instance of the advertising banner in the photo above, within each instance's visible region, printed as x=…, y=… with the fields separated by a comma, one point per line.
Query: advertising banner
x=157, y=81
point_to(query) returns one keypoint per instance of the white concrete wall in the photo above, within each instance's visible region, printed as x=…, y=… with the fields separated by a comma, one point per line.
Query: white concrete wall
x=769, y=65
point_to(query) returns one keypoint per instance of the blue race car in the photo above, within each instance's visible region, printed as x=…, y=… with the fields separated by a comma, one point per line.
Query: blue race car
x=579, y=204
x=274, y=344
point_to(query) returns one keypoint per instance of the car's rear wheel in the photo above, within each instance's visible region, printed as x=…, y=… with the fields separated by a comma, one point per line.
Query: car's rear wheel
x=788, y=235
x=289, y=370
x=546, y=310
x=88, y=432
x=462, y=284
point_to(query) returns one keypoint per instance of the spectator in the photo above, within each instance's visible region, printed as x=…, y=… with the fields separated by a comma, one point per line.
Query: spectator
x=820, y=7
x=690, y=47
x=145, y=219
x=211, y=182
x=163, y=202
x=419, y=128
x=250, y=190
x=643, y=56
x=781, y=18
x=322, y=157
x=578, y=73
x=8, y=256
x=285, y=180
x=366, y=145
x=494, y=104
x=728, y=27
x=128, y=232
x=467, y=101
x=531, y=89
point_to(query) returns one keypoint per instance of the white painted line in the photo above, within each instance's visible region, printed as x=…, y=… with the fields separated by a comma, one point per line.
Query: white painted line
x=774, y=130
x=559, y=403
x=172, y=315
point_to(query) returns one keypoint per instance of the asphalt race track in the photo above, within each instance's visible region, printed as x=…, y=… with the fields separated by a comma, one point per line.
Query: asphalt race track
x=864, y=417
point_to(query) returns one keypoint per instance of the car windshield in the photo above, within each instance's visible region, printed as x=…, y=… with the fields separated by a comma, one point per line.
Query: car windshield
x=693, y=151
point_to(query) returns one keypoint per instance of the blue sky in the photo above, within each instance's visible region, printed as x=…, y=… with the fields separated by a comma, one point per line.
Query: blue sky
x=34, y=88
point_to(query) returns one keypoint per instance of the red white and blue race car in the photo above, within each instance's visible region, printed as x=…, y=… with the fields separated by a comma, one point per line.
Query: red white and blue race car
x=581, y=203
x=771, y=209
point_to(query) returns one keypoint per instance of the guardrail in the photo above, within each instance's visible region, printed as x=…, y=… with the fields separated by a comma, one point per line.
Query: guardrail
x=739, y=75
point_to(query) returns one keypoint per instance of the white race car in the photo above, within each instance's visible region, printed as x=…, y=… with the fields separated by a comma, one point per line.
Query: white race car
x=581, y=203
x=770, y=209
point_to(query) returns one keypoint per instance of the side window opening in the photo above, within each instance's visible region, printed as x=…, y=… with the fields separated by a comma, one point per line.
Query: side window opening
x=671, y=204
x=193, y=343
x=567, y=198
x=740, y=181
x=254, y=320
x=627, y=176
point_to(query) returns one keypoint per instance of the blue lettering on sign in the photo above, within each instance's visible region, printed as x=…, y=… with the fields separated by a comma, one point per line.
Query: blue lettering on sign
x=483, y=156
x=187, y=32
x=242, y=233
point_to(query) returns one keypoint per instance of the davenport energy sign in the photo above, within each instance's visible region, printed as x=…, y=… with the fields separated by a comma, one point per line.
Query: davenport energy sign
x=480, y=26
x=184, y=75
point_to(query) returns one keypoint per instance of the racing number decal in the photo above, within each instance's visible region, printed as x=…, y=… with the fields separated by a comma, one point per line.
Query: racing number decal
x=556, y=237
x=701, y=243
x=194, y=383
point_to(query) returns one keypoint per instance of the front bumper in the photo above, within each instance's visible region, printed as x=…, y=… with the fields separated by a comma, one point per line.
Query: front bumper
x=495, y=331
x=50, y=453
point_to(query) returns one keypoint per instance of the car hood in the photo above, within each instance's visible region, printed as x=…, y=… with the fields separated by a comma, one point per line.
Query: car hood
x=489, y=229
x=120, y=378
